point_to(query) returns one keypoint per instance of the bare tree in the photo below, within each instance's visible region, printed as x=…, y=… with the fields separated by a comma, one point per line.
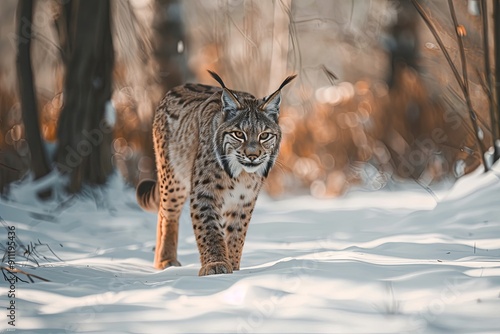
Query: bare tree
x=39, y=164
x=83, y=133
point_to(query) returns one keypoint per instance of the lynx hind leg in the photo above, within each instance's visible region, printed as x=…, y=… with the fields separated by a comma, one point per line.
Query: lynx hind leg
x=172, y=197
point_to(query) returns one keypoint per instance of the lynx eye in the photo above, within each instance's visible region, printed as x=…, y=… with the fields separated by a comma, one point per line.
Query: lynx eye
x=265, y=136
x=238, y=134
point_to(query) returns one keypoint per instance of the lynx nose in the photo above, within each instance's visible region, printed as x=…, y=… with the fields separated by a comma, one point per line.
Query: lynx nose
x=252, y=153
x=252, y=157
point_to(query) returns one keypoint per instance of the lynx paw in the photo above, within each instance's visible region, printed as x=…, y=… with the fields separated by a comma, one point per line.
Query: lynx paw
x=215, y=268
x=167, y=263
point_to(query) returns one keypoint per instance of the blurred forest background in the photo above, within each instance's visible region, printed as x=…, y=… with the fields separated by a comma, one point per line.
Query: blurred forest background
x=378, y=99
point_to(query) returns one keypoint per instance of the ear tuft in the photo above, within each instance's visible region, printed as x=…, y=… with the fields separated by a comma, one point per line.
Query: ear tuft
x=287, y=81
x=217, y=78
x=229, y=99
x=272, y=102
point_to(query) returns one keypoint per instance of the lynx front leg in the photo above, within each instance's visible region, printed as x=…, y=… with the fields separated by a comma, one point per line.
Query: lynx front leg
x=236, y=230
x=209, y=235
x=206, y=209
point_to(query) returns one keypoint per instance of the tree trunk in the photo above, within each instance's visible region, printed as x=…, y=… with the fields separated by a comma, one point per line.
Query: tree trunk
x=169, y=44
x=489, y=77
x=62, y=25
x=84, y=136
x=27, y=96
x=402, y=43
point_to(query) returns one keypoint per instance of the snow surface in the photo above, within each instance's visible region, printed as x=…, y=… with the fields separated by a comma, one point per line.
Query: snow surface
x=371, y=262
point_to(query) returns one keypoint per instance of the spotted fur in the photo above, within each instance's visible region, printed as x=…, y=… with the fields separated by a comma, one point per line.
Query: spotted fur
x=215, y=146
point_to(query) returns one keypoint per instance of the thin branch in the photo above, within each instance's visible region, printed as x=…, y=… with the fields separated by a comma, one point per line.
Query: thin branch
x=496, y=48
x=480, y=120
x=329, y=74
x=461, y=49
x=8, y=167
x=434, y=32
x=462, y=82
x=247, y=38
x=472, y=113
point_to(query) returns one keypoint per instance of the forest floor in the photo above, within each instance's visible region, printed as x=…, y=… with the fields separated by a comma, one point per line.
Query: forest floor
x=370, y=262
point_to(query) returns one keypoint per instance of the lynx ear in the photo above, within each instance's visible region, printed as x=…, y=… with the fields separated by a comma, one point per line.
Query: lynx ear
x=272, y=102
x=229, y=100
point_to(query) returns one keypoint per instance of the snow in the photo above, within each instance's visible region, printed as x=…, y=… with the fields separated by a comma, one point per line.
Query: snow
x=110, y=113
x=385, y=261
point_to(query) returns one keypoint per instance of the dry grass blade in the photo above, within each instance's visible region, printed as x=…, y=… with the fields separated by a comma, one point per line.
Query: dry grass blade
x=19, y=271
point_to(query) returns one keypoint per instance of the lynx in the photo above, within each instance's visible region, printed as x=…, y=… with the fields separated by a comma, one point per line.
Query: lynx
x=216, y=146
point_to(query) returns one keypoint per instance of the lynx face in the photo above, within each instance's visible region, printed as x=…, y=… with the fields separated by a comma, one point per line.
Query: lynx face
x=249, y=138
